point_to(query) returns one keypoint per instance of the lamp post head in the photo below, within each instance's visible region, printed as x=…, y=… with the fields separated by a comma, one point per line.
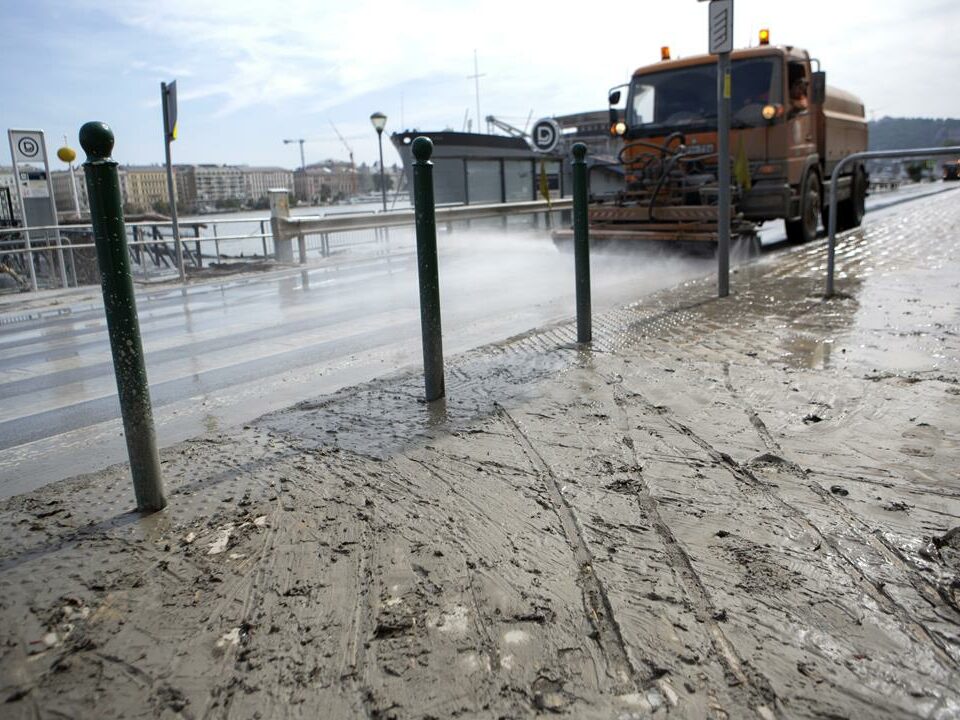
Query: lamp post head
x=379, y=121
x=67, y=154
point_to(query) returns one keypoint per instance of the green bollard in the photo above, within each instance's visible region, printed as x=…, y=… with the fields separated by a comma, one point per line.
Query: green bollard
x=581, y=244
x=106, y=216
x=425, y=215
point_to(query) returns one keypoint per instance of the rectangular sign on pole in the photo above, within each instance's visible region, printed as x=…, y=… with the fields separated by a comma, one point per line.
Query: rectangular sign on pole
x=721, y=26
x=28, y=150
x=168, y=98
x=170, y=107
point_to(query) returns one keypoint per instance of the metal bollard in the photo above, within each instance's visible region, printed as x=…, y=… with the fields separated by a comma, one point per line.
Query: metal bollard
x=427, y=271
x=106, y=216
x=581, y=244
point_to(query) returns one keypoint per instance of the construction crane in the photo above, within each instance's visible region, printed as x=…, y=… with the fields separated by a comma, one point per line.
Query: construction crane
x=505, y=127
x=303, y=161
x=353, y=167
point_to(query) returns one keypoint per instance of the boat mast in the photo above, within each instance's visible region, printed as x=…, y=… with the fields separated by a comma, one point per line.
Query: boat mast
x=476, y=79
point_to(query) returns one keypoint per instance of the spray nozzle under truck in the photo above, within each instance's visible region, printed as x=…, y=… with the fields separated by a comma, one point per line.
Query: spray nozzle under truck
x=788, y=130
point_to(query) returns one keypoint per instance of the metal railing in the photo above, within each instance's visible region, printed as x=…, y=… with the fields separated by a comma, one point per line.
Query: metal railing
x=153, y=252
x=150, y=242
x=301, y=228
x=871, y=155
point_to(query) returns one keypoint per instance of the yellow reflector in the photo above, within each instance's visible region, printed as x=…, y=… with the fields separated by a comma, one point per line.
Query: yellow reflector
x=769, y=112
x=764, y=37
x=665, y=52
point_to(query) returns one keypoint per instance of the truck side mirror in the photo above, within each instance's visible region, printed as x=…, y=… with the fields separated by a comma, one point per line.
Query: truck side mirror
x=614, y=97
x=819, y=87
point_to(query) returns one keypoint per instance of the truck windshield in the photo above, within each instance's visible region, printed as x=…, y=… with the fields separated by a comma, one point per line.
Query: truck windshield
x=686, y=98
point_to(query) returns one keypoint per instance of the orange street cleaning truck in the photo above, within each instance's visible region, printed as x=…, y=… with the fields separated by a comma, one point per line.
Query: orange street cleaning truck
x=787, y=131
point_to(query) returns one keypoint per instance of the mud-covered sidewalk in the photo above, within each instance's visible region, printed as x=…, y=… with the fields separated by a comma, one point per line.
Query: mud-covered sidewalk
x=726, y=509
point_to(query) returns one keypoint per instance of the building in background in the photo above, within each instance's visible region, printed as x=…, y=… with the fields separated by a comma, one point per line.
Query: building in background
x=257, y=180
x=185, y=177
x=218, y=186
x=63, y=194
x=144, y=188
x=329, y=181
x=9, y=203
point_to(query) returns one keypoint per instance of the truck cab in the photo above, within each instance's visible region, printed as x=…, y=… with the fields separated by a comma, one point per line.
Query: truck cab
x=788, y=130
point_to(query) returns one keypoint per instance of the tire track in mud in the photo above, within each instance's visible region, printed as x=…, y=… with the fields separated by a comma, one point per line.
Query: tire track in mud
x=752, y=687
x=869, y=536
x=487, y=645
x=596, y=604
x=362, y=619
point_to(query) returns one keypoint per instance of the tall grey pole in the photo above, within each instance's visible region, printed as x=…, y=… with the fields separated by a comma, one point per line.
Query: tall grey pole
x=73, y=191
x=73, y=184
x=723, y=174
x=170, y=189
x=383, y=184
x=476, y=80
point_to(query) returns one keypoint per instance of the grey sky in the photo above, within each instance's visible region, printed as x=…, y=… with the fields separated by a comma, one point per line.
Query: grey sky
x=251, y=73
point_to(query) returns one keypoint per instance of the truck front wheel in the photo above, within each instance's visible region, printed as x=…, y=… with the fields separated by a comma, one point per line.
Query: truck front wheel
x=804, y=229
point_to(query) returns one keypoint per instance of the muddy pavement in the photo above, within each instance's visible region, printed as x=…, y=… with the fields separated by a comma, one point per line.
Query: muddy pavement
x=725, y=509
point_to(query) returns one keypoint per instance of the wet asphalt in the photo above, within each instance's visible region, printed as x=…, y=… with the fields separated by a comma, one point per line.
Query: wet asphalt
x=224, y=352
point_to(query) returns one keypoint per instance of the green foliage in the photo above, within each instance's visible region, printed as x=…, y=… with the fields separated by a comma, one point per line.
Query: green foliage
x=376, y=182
x=897, y=133
x=915, y=171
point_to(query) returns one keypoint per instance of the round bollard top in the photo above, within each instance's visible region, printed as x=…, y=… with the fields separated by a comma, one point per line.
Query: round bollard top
x=96, y=139
x=579, y=151
x=422, y=149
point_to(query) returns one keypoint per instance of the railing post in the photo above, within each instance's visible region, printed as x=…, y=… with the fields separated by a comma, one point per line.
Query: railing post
x=280, y=211
x=581, y=244
x=263, y=239
x=427, y=269
x=302, y=248
x=196, y=244
x=29, y=252
x=832, y=223
x=106, y=216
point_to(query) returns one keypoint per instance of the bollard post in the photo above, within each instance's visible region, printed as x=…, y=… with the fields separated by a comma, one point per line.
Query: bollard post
x=581, y=244
x=427, y=270
x=106, y=216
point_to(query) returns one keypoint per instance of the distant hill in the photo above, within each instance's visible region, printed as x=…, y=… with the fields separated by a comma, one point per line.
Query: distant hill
x=895, y=133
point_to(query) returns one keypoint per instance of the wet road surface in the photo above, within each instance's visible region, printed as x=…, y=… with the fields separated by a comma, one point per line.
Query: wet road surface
x=223, y=353
x=736, y=508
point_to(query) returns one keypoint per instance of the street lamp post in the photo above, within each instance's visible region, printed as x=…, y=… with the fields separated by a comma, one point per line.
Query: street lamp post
x=68, y=155
x=379, y=121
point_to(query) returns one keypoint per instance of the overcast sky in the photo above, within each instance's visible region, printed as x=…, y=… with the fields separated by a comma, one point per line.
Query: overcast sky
x=251, y=73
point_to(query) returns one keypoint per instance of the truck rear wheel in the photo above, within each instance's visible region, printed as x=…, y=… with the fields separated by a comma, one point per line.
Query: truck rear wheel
x=850, y=212
x=805, y=228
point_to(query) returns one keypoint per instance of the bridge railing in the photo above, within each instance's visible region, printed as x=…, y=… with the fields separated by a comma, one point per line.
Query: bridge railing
x=374, y=227
x=871, y=155
x=153, y=253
